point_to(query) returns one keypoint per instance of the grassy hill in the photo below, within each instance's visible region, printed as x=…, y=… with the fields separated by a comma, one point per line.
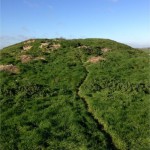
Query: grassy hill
x=82, y=94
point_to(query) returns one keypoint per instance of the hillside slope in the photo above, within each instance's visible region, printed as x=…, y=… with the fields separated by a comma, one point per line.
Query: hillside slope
x=83, y=94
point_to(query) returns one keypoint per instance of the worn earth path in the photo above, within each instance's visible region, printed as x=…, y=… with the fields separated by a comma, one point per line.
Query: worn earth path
x=110, y=144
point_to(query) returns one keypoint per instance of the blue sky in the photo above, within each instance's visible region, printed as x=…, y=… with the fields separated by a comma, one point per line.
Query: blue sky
x=126, y=21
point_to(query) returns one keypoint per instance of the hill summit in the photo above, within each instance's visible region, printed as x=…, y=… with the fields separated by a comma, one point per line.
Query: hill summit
x=80, y=94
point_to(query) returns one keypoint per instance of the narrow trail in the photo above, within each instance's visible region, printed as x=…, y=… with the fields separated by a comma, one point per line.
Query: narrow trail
x=111, y=145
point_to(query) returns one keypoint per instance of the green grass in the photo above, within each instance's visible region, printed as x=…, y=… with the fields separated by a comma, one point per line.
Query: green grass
x=117, y=92
x=66, y=103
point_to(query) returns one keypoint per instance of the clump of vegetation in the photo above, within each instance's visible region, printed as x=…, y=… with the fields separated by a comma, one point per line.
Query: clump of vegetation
x=60, y=99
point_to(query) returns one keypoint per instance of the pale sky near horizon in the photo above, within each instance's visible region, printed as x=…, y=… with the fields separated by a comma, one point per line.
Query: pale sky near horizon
x=126, y=21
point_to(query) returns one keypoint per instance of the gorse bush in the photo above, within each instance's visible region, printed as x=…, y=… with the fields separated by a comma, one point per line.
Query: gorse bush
x=61, y=100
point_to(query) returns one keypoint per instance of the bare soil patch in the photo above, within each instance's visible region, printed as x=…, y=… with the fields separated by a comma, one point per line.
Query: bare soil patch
x=25, y=58
x=105, y=49
x=39, y=58
x=49, y=47
x=83, y=46
x=29, y=41
x=95, y=59
x=28, y=58
x=44, y=45
x=9, y=68
x=27, y=47
x=55, y=46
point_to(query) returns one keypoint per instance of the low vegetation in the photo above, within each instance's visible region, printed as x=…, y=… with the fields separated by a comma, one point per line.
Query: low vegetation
x=82, y=94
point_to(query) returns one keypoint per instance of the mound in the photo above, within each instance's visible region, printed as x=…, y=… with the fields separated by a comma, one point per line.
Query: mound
x=51, y=98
